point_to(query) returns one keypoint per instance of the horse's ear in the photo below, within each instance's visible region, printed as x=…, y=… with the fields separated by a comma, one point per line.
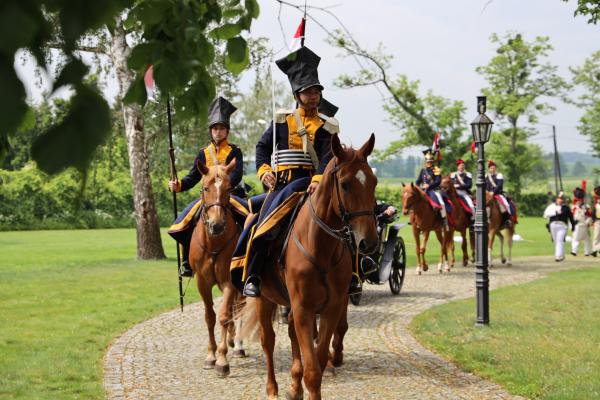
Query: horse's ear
x=230, y=167
x=367, y=148
x=336, y=147
x=202, y=167
x=412, y=185
x=403, y=185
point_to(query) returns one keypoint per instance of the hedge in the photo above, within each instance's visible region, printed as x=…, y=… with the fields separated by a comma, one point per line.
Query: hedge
x=30, y=199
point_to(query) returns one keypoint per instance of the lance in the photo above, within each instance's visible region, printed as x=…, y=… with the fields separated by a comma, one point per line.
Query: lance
x=174, y=177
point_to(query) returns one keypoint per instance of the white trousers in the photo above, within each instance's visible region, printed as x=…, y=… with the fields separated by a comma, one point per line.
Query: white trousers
x=558, y=230
x=441, y=200
x=581, y=234
x=597, y=235
x=465, y=196
x=504, y=206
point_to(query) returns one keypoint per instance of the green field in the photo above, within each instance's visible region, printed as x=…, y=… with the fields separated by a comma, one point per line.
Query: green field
x=543, y=342
x=64, y=296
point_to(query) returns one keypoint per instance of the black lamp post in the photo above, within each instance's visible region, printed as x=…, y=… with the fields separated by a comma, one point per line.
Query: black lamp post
x=481, y=128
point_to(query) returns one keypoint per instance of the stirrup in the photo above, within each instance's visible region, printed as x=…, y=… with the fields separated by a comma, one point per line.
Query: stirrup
x=186, y=271
x=252, y=286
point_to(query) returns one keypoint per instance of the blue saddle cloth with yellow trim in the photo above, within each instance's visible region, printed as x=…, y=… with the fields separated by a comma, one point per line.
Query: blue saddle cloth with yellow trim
x=258, y=236
x=182, y=228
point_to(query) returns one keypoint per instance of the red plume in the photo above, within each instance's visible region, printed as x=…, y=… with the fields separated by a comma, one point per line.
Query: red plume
x=584, y=185
x=473, y=147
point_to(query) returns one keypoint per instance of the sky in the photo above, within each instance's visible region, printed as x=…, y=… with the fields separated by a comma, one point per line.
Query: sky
x=438, y=42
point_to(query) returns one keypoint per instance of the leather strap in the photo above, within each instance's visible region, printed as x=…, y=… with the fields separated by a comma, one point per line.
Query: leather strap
x=307, y=146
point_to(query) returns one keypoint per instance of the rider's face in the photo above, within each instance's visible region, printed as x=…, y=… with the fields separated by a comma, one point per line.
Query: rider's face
x=492, y=169
x=310, y=98
x=461, y=167
x=219, y=132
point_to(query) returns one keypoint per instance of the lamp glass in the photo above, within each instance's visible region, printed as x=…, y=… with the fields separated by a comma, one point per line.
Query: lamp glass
x=481, y=128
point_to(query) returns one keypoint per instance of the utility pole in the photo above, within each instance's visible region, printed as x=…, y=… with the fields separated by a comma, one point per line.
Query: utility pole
x=557, y=173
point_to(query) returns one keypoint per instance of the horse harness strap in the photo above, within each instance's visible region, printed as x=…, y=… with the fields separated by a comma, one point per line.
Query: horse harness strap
x=347, y=216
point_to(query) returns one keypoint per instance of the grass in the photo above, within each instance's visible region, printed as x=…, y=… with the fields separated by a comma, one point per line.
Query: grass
x=544, y=341
x=64, y=296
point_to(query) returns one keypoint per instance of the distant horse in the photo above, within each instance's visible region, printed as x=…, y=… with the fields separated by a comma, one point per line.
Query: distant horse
x=496, y=227
x=424, y=218
x=460, y=221
x=211, y=247
x=317, y=270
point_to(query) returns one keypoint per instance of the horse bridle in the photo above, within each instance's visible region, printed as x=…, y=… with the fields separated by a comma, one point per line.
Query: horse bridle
x=344, y=233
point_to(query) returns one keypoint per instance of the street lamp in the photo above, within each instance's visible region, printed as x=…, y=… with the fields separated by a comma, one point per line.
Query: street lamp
x=482, y=129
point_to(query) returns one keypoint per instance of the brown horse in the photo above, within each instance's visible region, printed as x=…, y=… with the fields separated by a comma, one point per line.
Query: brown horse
x=317, y=269
x=212, y=244
x=496, y=227
x=461, y=222
x=424, y=219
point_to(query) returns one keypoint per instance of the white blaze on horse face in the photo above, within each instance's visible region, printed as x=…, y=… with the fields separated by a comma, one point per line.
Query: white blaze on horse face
x=361, y=177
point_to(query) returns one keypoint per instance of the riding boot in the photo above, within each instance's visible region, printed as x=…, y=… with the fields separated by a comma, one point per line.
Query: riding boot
x=506, y=221
x=252, y=286
x=186, y=269
x=355, y=284
x=253, y=281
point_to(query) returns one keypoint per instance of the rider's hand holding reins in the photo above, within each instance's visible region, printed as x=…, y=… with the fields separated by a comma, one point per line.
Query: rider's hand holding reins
x=268, y=179
x=312, y=187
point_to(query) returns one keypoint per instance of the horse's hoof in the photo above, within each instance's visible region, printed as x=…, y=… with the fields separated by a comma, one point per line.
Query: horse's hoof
x=293, y=396
x=209, y=364
x=509, y=263
x=239, y=353
x=337, y=361
x=418, y=271
x=425, y=268
x=329, y=372
x=504, y=261
x=230, y=343
x=222, y=370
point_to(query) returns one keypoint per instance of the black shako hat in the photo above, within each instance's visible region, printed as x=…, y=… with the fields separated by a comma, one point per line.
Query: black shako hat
x=220, y=111
x=301, y=69
x=327, y=109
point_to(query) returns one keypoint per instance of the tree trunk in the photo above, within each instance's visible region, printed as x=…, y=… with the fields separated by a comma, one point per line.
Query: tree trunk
x=149, y=244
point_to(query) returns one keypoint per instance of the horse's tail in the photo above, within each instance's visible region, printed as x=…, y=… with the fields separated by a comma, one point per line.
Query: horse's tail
x=247, y=314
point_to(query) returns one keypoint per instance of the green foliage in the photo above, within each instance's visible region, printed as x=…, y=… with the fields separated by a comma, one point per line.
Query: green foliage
x=389, y=194
x=588, y=77
x=174, y=40
x=519, y=80
x=170, y=35
x=589, y=8
x=532, y=204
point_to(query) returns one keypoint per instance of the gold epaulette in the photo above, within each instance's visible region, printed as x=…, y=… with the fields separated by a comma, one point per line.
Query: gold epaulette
x=437, y=171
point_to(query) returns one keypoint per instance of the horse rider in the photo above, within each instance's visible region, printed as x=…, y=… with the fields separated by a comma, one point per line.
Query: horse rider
x=429, y=180
x=302, y=142
x=559, y=216
x=494, y=182
x=596, y=222
x=218, y=152
x=582, y=215
x=463, y=181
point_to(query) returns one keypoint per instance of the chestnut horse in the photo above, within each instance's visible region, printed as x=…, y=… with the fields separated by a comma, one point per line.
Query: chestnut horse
x=424, y=219
x=461, y=222
x=317, y=270
x=497, y=228
x=212, y=244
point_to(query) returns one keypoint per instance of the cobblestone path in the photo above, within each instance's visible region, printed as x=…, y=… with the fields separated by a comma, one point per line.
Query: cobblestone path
x=162, y=358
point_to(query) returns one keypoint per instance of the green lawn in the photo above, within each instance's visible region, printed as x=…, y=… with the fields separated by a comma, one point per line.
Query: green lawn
x=544, y=341
x=64, y=296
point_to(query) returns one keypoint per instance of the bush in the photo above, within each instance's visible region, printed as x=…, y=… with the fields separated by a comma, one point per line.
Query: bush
x=532, y=204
